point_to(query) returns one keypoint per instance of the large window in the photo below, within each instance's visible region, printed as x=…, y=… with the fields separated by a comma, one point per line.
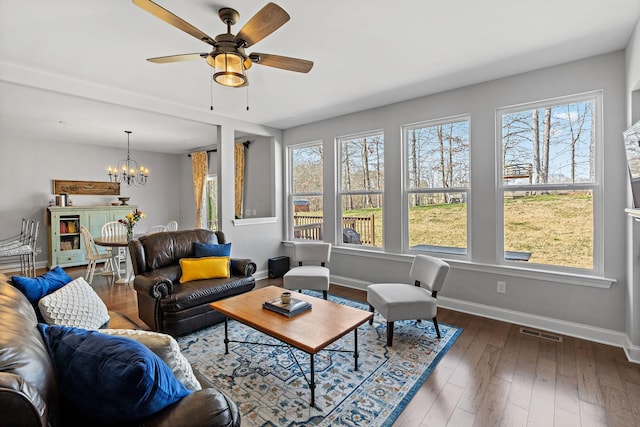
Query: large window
x=548, y=181
x=437, y=185
x=361, y=189
x=305, y=196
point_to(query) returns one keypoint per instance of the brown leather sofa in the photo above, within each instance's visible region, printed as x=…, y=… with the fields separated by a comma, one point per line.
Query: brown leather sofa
x=29, y=391
x=175, y=308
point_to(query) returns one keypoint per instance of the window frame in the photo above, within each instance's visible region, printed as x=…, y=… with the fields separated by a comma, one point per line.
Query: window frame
x=595, y=186
x=339, y=193
x=407, y=191
x=291, y=196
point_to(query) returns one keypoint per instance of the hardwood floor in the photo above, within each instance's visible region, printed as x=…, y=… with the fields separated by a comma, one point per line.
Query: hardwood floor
x=494, y=375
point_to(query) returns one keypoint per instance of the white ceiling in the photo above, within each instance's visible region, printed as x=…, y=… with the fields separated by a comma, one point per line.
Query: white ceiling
x=367, y=53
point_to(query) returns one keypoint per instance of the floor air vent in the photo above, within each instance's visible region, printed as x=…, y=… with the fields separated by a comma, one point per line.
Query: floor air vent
x=541, y=334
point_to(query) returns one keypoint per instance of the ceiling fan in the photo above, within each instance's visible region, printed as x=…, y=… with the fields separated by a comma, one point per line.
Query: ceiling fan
x=228, y=56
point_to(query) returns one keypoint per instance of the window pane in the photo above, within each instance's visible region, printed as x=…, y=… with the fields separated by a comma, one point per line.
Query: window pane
x=438, y=156
x=362, y=219
x=438, y=222
x=212, y=202
x=363, y=164
x=306, y=169
x=550, y=145
x=307, y=218
x=306, y=191
x=555, y=228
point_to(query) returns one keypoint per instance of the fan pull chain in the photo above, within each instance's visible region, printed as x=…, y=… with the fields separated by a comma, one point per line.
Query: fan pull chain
x=247, y=98
x=211, y=84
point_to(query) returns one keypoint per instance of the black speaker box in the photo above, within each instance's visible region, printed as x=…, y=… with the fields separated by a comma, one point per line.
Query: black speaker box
x=278, y=266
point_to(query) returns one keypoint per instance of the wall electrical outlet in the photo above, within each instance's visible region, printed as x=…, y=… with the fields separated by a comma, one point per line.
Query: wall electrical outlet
x=502, y=288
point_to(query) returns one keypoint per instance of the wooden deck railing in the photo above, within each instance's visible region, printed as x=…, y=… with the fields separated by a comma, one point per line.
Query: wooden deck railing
x=310, y=227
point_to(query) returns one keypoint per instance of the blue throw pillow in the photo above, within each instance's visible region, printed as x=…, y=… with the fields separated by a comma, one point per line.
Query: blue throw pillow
x=35, y=288
x=109, y=379
x=205, y=250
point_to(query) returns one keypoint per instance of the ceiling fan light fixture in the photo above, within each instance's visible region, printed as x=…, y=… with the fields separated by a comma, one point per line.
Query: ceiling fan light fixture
x=229, y=69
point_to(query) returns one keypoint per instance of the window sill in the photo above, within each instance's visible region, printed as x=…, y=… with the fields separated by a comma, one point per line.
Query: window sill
x=502, y=270
x=253, y=221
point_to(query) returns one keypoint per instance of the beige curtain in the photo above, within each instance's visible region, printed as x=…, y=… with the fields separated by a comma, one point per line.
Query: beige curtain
x=239, y=177
x=199, y=167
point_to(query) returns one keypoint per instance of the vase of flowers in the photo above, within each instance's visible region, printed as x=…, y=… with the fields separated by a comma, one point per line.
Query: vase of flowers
x=130, y=220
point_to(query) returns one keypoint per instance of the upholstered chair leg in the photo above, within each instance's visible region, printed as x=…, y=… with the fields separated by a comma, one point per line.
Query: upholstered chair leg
x=435, y=323
x=324, y=295
x=372, y=310
x=389, y=334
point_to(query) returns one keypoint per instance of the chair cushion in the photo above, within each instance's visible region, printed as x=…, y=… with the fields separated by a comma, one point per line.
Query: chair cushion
x=307, y=277
x=75, y=304
x=36, y=287
x=214, y=249
x=109, y=379
x=399, y=301
x=167, y=349
x=204, y=268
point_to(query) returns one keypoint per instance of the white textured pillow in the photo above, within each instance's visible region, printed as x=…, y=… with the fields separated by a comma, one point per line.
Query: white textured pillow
x=167, y=349
x=75, y=304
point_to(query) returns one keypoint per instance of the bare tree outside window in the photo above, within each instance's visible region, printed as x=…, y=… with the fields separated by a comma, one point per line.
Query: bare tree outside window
x=548, y=182
x=362, y=189
x=437, y=185
x=305, y=197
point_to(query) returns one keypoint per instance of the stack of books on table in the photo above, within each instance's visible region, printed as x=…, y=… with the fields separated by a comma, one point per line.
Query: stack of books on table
x=296, y=306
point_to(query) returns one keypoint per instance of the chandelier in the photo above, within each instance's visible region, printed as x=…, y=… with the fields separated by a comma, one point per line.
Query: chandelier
x=128, y=170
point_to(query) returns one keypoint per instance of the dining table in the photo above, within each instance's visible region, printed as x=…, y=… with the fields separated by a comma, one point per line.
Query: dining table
x=119, y=241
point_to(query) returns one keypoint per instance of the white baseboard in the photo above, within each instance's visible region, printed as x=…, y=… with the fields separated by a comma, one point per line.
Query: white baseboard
x=261, y=274
x=577, y=330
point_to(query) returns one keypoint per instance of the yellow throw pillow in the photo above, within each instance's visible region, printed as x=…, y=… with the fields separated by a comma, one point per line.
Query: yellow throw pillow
x=212, y=267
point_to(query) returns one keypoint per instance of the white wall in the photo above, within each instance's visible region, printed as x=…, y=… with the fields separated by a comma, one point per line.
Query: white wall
x=259, y=178
x=632, y=321
x=30, y=166
x=551, y=300
x=251, y=238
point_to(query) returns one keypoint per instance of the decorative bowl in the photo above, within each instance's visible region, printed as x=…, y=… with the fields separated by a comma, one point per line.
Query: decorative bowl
x=124, y=200
x=115, y=203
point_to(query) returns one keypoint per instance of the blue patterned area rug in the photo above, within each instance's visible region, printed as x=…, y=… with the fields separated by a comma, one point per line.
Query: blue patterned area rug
x=270, y=390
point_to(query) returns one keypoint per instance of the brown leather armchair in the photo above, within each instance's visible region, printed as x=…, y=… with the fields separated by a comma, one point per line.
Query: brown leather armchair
x=175, y=308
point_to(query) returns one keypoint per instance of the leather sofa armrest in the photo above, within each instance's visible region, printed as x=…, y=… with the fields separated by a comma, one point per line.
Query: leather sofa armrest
x=157, y=287
x=245, y=267
x=21, y=402
x=204, y=408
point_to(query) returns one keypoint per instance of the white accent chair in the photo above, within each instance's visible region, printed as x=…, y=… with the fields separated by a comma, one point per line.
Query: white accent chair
x=93, y=255
x=401, y=301
x=112, y=229
x=315, y=276
x=172, y=226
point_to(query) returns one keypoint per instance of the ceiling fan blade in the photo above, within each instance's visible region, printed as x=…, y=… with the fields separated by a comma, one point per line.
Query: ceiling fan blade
x=283, y=62
x=266, y=21
x=177, y=58
x=168, y=17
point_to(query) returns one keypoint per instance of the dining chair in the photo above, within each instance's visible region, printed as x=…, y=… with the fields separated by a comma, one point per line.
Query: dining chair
x=22, y=247
x=402, y=301
x=172, y=226
x=156, y=229
x=93, y=255
x=311, y=272
x=111, y=229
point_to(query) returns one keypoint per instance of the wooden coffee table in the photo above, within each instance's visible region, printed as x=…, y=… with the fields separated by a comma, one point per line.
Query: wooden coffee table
x=310, y=331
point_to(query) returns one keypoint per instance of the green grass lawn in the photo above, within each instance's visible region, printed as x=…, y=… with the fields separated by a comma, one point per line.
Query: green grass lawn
x=556, y=228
